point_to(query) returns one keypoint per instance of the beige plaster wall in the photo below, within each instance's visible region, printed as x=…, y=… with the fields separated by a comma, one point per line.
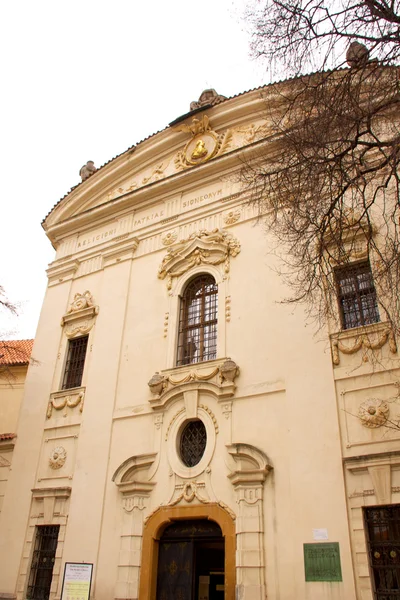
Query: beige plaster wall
x=288, y=400
x=11, y=393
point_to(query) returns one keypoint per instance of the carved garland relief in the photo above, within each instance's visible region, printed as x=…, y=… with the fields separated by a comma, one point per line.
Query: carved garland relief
x=64, y=402
x=228, y=372
x=364, y=341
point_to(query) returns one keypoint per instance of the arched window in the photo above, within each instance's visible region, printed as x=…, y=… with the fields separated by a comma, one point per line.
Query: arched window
x=198, y=321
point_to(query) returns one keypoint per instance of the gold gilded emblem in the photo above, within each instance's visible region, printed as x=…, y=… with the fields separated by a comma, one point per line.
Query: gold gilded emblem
x=200, y=150
x=204, y=143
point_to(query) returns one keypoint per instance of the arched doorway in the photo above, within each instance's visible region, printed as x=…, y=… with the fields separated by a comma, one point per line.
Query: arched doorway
x=191, y=561
x=188, y=554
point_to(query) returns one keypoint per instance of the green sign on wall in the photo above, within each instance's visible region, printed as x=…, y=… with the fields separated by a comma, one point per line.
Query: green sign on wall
x=322, y=562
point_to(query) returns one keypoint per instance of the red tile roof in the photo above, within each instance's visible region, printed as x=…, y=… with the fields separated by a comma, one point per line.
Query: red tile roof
x=7, y=436
x=15, y=352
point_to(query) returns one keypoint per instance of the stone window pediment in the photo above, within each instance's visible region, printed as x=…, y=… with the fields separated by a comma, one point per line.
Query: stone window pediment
x=201, y=248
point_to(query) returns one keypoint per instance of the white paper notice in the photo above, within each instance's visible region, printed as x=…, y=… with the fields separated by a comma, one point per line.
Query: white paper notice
x=320, y=534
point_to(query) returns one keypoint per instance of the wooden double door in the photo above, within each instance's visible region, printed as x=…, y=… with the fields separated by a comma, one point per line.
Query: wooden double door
x=191, y=561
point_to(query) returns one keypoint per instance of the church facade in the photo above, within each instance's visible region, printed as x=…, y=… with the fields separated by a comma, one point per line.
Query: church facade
x=182, y=432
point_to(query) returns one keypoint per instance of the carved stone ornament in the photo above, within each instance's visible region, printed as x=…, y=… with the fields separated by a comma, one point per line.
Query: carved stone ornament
x=169, y=238
x=81, y=301
x=249, y=466
x=229, y=371
x=357, y=55
x=202, y=248
x=58, y=457
x=157, y=383
x=373, y=413
x=368, y=341
x=207, y=98
x=80, y=316
x=226, y=373
x=232, y=217
x=64, y=400
x=87, y=170
x=133, y=479
x=204, y=143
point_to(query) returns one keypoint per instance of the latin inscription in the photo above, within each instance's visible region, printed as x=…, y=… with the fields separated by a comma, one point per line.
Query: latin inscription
x=96, y=238
x=200, y=199
x=148, y=218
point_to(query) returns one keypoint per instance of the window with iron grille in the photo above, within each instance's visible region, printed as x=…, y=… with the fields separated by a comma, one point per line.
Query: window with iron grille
x=193, y=443
x=75, y=362
x=382, y=529
x=198, y=321
x=43, y=558
x=356, y=296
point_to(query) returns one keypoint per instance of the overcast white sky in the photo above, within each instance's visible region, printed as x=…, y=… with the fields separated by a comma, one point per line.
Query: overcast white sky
x=84, y=81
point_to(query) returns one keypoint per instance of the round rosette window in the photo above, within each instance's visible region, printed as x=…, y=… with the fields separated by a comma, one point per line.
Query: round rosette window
x=193, y=443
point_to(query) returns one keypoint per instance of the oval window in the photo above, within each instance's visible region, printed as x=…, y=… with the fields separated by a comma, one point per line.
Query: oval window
x=193, y=443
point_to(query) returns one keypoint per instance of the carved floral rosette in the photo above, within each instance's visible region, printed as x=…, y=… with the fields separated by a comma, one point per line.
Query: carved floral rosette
x=58, y=457
x=373, y=413
x=232, y=217
x=169, y=238
x=200, y=248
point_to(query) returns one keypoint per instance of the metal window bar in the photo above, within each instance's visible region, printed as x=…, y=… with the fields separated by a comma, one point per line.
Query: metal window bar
x=193, y=443
x=197, y=339
x=356, y=296
x=43, y=559
x=382, y=528
x=75, y=362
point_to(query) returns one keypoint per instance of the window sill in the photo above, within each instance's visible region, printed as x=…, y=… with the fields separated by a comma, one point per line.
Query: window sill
x=219, y=374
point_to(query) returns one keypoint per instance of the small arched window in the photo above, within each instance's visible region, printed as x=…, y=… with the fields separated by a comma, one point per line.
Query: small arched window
x=197, y=339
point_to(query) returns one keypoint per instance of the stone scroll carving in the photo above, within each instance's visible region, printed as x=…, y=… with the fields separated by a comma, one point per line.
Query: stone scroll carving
x=201, y=248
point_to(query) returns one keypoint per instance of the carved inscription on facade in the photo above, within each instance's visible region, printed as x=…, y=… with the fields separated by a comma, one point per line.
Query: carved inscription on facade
x=148, y=218
x=205, y=198
x=96, y=238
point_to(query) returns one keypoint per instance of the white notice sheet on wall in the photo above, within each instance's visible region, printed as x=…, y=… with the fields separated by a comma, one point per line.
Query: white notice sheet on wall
x=320, y=534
